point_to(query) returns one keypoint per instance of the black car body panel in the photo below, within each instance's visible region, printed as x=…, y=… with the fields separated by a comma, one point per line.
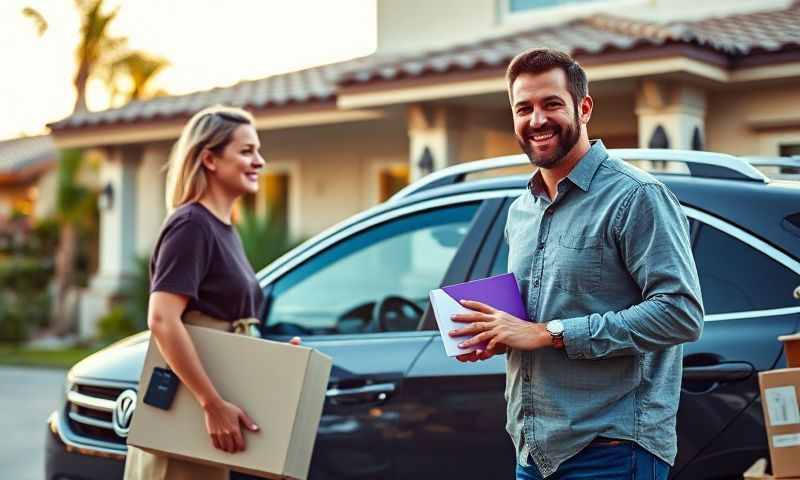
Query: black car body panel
x=397, y=407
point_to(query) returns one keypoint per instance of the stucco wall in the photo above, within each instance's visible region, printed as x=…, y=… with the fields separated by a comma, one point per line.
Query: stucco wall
x=753, y=121
x=333, y=167
x=413, y=24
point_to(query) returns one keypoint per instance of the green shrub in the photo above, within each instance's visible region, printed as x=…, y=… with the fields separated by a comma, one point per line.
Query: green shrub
x=13, y=325
x=25, y=274
x=116, y=324
x=263, y=239
x=129, y=315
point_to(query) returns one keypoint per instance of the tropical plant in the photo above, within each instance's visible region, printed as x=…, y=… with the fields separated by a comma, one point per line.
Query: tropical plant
x=76, y=211
x=96, y=46
x=101, y=55
x=129, y=316
x=130, y=76
x=263, y=237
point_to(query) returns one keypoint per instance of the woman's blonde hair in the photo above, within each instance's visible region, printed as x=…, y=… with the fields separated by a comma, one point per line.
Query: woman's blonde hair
x=211, y=128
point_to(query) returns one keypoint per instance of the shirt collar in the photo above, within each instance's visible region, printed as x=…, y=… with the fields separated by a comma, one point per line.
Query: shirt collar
x=581, y=175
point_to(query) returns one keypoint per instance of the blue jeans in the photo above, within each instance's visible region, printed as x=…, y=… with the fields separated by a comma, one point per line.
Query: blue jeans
x=626, y=461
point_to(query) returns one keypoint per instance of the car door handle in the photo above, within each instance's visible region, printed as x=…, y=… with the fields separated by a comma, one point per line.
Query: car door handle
x=720, y=372
x=376, y=389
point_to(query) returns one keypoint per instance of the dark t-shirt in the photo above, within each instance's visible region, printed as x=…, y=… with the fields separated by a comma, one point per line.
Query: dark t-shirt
x=201, y=257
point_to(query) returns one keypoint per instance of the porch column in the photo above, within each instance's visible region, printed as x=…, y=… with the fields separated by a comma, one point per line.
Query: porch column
x=150, y=203
x=671, y=115
x=117, y=235
x=433, y=133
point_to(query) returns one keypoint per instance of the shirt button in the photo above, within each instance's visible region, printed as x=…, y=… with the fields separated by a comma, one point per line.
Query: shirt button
x=536, y=283
x=541, y=246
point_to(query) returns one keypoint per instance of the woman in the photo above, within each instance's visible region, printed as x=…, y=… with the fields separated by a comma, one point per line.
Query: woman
x=199, y=274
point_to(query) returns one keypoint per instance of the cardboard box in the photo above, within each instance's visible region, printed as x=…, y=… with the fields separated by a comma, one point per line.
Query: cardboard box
x=280, y=386
x=791, y=347
x=779, y=399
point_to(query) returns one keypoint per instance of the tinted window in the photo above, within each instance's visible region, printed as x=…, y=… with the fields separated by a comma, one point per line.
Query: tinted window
x=393, y=266
x=735, y=277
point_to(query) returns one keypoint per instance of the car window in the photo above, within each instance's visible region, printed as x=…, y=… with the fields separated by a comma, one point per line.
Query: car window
x=735, y=277
x=376, y=280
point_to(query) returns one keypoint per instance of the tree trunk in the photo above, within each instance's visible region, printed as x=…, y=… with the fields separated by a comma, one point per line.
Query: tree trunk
x=81, y=79
x=63, y=319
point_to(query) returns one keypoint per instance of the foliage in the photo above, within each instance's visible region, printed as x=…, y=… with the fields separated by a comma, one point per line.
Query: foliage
x=116, y=324
x=130, y=76
x=264, y=239
x=24, y=302
x=129, y=316
x=43, y=239
x=75, y=202
x=104, y=56
x=13, y=327
x=25, y=275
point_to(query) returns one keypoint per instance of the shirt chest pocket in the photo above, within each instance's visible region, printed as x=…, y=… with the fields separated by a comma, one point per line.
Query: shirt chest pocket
x=578, y=263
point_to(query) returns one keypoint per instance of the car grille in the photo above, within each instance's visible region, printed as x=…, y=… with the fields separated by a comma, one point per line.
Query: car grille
x=89, y=412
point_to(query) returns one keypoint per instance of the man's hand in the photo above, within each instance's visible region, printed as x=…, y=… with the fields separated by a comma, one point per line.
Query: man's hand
x=479, y=355
x=499, y=329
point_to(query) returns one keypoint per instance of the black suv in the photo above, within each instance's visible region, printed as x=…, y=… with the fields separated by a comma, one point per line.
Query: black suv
x=397, y=407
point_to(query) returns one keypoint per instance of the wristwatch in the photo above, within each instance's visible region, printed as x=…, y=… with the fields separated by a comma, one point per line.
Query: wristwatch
x=556, y=330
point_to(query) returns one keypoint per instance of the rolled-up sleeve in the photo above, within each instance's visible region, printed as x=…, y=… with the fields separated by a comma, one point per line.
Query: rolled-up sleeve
x=652, y=236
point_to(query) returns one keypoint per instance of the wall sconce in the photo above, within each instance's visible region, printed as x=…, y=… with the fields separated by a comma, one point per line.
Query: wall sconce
x=106, y=199
x=425, y=163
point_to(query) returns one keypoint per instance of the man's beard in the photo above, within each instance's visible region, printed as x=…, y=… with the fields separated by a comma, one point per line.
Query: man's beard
x=566, y=140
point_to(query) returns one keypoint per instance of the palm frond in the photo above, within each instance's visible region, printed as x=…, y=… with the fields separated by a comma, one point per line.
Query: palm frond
x=37, y=18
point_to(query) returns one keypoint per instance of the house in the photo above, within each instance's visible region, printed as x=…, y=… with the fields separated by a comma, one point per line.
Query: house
x=27, y=169
x=342, y=137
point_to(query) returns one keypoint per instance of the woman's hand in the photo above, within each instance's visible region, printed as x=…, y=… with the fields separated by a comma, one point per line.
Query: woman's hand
x=223, y=424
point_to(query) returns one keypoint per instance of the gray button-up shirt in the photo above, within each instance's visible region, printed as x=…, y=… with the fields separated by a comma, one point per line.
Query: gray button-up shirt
x=610, y=257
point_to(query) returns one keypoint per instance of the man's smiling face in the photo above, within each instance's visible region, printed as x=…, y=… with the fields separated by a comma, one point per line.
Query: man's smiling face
x=546, y=119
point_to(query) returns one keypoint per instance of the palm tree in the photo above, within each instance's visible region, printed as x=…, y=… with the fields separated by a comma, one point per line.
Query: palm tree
x=136, y=71
x=76, y=210
x=98, y=54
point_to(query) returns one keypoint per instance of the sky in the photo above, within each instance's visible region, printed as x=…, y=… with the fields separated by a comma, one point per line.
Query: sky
x=208, y=43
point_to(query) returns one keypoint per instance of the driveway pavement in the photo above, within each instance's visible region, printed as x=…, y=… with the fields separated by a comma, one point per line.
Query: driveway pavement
x=27, y=396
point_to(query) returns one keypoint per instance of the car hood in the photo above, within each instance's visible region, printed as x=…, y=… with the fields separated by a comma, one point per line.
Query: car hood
x=119, y=362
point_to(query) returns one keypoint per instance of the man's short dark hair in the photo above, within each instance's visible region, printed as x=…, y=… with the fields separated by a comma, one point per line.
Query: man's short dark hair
x=540, y=60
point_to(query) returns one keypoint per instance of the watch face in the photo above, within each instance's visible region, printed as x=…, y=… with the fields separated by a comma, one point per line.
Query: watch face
x=555, y=327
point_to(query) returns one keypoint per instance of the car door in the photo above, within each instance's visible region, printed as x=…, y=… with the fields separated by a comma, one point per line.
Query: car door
x=747, y=292
x=359, y=297
x=457, y=429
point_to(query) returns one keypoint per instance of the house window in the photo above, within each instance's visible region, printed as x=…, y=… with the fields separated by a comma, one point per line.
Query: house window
x=275, y=191
x=516, y=6
x=272, y=198
x=788, y=150
x=391, y=179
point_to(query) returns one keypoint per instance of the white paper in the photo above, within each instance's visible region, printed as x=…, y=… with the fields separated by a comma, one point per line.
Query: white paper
x=782, y=405
x=787, y=440
x=443, y=308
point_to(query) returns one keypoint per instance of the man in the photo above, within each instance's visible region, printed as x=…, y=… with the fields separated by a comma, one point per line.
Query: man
x=602, y=256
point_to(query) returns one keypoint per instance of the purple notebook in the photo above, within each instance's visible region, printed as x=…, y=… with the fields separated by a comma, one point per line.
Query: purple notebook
x=501, y=292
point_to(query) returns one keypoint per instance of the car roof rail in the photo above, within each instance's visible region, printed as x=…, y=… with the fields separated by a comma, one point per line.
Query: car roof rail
x=781, y=162
x=700, y=164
